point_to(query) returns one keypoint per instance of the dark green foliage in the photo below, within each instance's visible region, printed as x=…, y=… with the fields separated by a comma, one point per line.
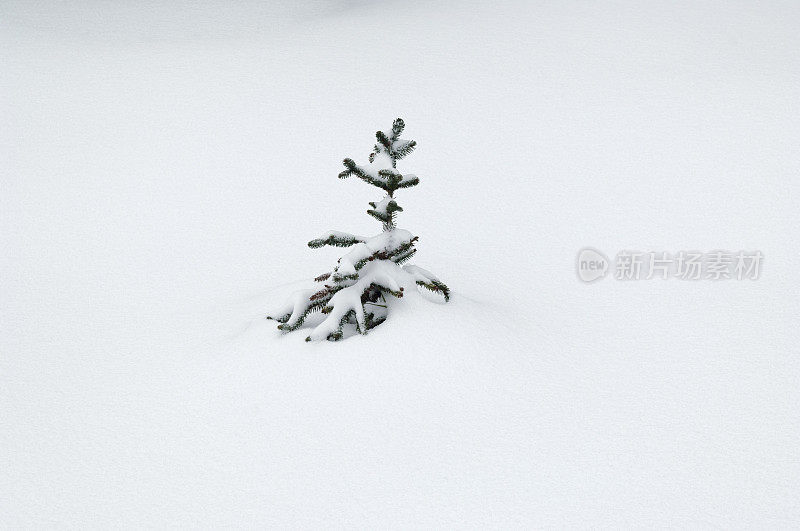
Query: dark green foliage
x=335, y=241
x=341, y=278
x=387, y=215
x=436, y=286
x=385, y=179
x=401, y=250
x=297, y=324
x=317, y=302
x=402, y=258
x=338, y=333
x=280, y=319
x=409, y=182
x=353, y=169
x=397, y=128
x=384, y=140
x=405, y=149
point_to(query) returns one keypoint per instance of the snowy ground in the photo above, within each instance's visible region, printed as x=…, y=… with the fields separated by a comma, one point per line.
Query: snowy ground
x=163, y=164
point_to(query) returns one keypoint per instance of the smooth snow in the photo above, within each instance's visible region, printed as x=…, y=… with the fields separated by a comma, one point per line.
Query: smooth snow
x=163, y=165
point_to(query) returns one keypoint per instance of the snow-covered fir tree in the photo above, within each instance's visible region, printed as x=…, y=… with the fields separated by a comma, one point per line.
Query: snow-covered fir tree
x=355, y=291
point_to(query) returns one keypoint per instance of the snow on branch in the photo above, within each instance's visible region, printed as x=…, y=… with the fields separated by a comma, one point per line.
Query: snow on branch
x=352, y=292
x=336, y=239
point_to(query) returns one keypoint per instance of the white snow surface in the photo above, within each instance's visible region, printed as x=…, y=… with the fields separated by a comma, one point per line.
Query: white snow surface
x=163, y=164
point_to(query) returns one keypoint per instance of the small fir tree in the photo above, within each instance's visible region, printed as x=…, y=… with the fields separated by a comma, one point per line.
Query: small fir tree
x=355, y=291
